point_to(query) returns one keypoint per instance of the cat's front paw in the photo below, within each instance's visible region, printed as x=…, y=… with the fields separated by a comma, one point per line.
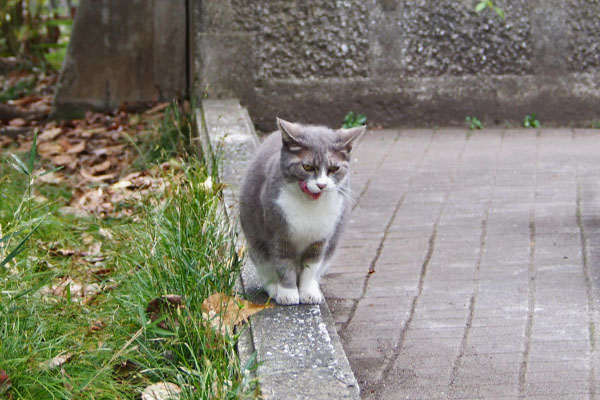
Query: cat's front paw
x=287, y=296
x=311, y=294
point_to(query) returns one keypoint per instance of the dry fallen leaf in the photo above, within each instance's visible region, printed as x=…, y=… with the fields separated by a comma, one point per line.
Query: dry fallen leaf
x=76, y=290
x=157, y=108
x=90, y=177
x=17, y=122
x=53, y=177
x=58, y=361
x=74, y=211
x=225, y=312
x=76, y=148
x=49, y=148
x=102, y=167
x=5, y=382
x=161, y=391
x=49, y=134
x=97, y=325
x=156, y=307
x=63, y=160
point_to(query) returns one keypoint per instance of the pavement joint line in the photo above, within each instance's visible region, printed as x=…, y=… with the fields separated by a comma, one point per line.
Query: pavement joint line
x=400, y=343
x=476, y=280
x=531, y=279
x=588, y=282
x=352, y=312
x=366, y=187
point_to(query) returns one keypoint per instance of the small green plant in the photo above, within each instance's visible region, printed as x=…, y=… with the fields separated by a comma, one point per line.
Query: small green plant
x=473, y=123
x=19, y=222
x=482, y=5
x=20, y=89
x=352, y=120
x=531, y=121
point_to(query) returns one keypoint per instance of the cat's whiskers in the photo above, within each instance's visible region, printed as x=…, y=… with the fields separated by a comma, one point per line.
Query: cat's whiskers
x=348, y=194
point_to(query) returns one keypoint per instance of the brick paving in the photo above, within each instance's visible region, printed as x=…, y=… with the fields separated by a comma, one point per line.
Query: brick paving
x=469, y=268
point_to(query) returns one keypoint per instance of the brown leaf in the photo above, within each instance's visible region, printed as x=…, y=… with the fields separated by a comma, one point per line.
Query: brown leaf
x=77, y=290
x=49, y=148
x=225, y=312
x=63, y=159
x=161, y=391
x=49, y=134
x=126, y=369
x=23, y=101
x=58, y=361
x=76, y=148
x=17, y=122
x=5, y=382
x=158, y=306
x=109, y=151
x=4, y=140
x=91, y=132
x=74, y=211
x=53, y=178
x=157, y=108
x=97, y=325
x=102, y=167
x=90, y=177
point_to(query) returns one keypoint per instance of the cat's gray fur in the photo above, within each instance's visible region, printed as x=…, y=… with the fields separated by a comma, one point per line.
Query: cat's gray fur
x=293, y=205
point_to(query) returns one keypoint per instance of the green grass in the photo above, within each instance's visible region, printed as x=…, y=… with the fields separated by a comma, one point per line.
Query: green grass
x=531, y=121
x=175, y=242
x=473, y=123
x=352, y=120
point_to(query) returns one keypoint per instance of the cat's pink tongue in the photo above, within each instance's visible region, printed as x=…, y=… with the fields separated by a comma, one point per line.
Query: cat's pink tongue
x=305, y=189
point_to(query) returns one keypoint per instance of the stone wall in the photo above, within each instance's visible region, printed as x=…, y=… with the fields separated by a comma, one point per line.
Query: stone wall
x=401, y=62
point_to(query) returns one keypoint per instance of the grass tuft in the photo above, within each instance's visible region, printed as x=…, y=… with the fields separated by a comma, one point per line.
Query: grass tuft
x=91, y=338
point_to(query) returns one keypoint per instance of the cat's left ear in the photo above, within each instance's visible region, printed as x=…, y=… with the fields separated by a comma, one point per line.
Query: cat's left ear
x=349, y=136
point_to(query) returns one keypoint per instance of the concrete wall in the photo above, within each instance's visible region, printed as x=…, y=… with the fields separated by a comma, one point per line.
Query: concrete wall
x=124, y=52
x=401, y=62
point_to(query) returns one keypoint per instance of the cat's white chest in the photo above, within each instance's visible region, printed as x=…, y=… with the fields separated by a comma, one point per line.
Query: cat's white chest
x=309, y=220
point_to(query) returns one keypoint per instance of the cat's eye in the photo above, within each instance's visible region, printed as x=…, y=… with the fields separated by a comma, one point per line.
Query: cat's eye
x=333, y=169
x=308, y=167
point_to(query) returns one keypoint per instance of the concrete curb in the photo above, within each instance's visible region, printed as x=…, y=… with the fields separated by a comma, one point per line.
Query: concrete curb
x=299, y=352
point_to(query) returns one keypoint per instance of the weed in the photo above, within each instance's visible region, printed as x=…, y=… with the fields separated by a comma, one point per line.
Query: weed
x=531, y=121
x=172, y=137
x=482, y=5
x=19, y=89
x=473, y=123
x=352, y=120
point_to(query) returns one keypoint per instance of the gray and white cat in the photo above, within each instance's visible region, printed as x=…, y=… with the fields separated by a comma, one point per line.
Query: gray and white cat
x=293, y=205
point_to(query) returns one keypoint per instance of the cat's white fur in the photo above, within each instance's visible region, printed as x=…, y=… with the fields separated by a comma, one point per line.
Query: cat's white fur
x=310, y=220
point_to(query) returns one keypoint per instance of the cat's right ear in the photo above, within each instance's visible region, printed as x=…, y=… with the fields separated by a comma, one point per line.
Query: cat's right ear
x=288, y=135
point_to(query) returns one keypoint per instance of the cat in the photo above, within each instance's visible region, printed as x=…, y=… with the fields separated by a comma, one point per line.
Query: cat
x=294, y=201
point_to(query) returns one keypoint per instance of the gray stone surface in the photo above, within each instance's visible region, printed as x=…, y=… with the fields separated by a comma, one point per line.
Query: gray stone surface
x=416, y=63
x=299, y=352
x=469, y=268
x=123, y=52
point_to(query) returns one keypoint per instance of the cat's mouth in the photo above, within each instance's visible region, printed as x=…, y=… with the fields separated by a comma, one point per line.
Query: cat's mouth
x=306, y=190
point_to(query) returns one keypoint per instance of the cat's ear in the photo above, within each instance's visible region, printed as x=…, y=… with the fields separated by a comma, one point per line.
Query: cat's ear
x=289, y=133
x=349, y=136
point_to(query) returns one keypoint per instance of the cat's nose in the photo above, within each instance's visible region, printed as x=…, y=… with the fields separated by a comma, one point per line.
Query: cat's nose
x=321, y=185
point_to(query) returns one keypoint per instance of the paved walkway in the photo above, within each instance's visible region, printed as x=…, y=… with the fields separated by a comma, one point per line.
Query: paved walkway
x=469, y=267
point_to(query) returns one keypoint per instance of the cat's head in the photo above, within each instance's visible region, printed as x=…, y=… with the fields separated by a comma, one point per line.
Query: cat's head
x=316, y=157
